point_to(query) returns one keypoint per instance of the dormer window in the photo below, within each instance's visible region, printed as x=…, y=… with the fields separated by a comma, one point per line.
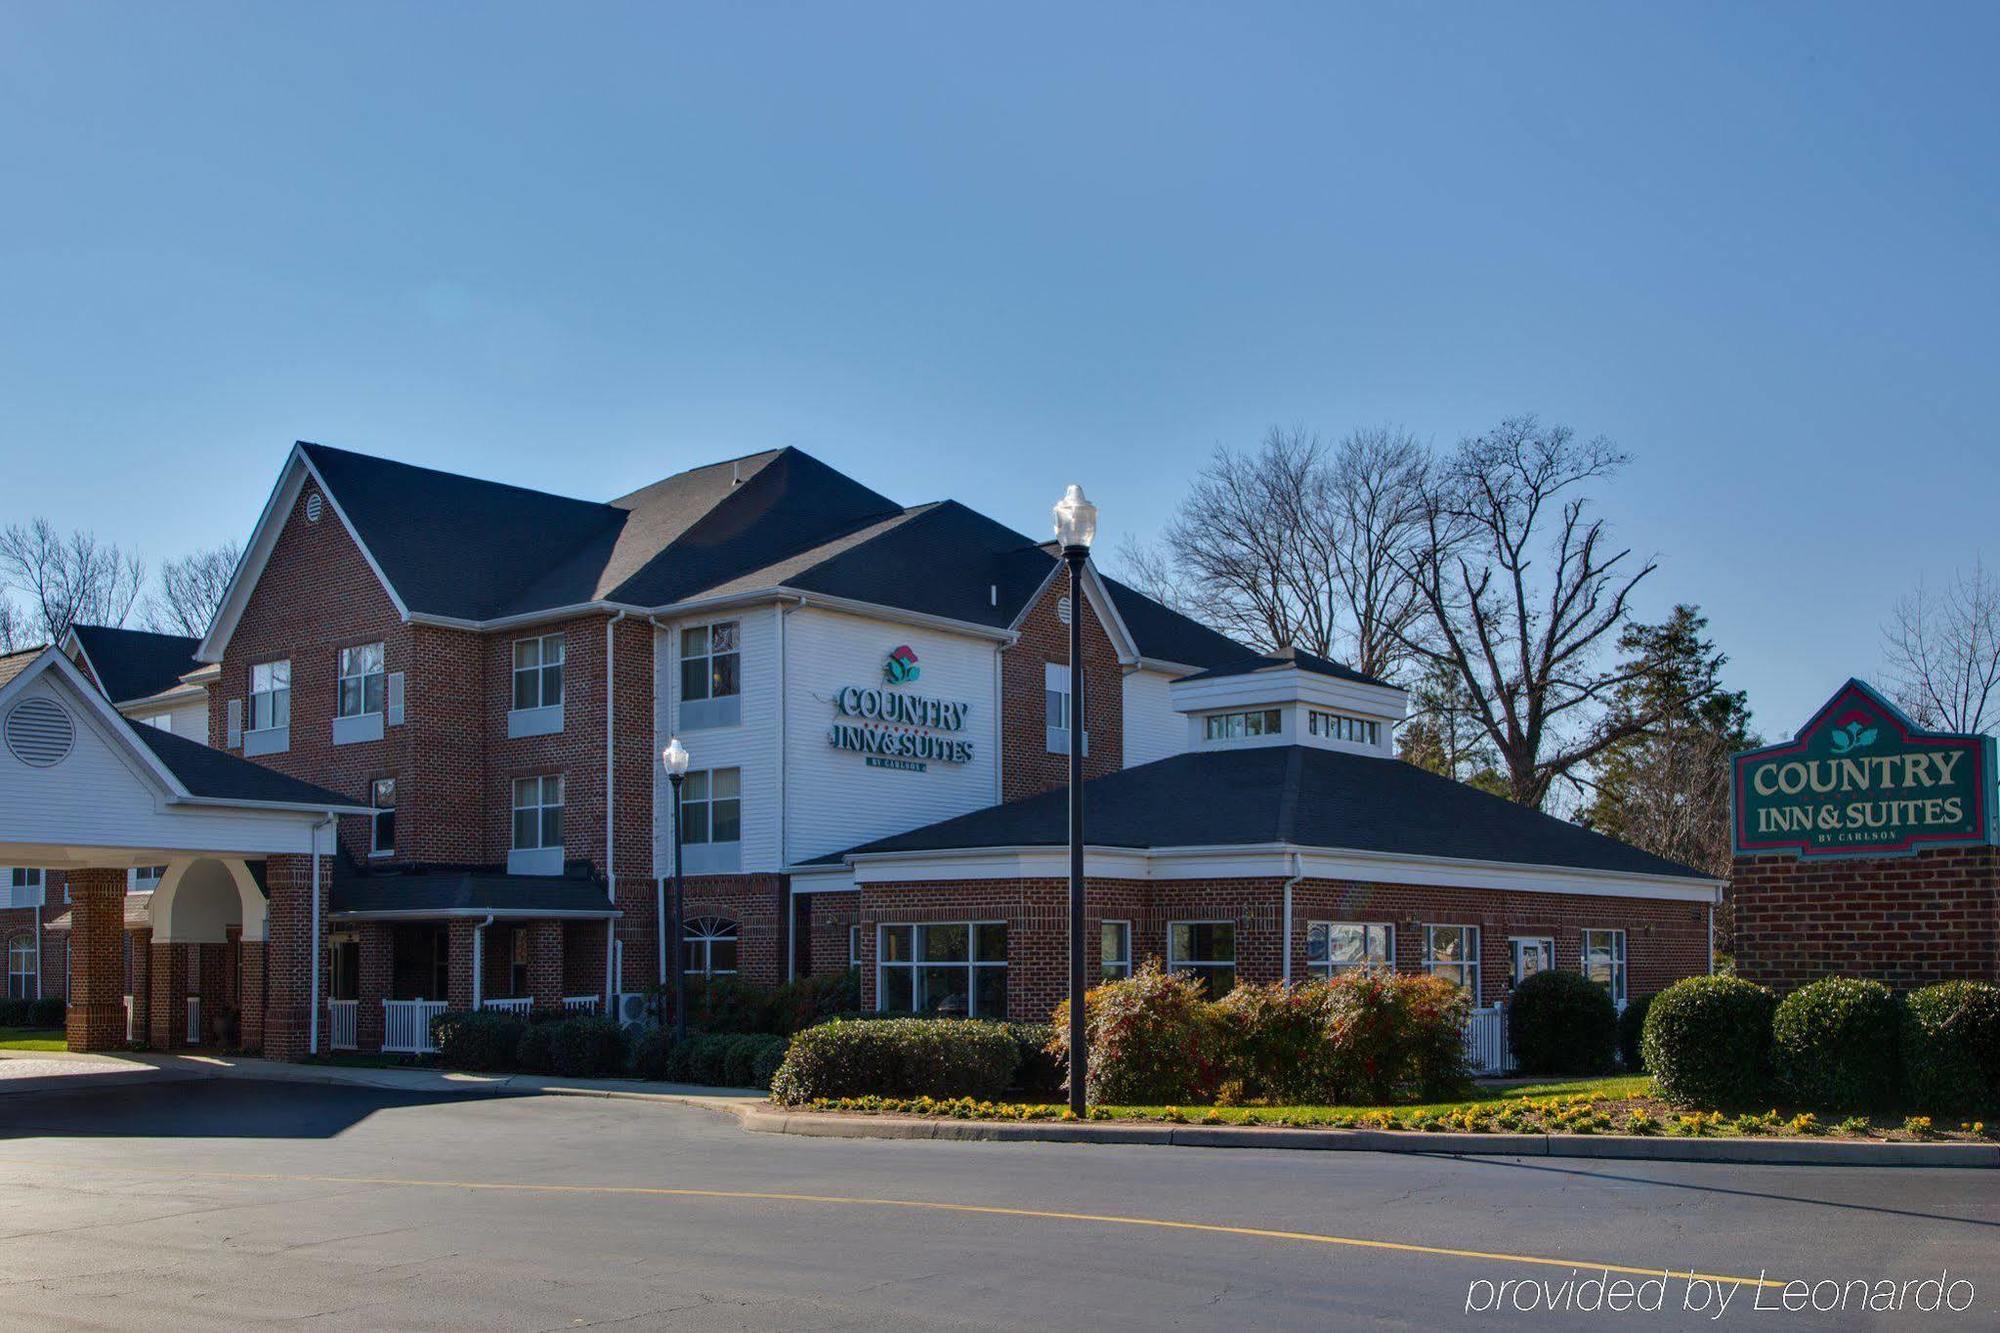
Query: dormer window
x=1243, y=726
x=1340, y=727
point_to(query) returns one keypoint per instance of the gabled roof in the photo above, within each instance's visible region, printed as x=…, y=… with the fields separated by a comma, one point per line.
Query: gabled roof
x=1302, y=796
x=1165, y=635
x=216, y=775
x=134, y=664
x=14, y=663
x=1288, y=659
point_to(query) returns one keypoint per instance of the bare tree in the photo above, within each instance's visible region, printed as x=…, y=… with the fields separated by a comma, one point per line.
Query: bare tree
x=1370, y=503
x=191, y=590
x=1944, y=652
x=1523, y=593
x=13, y=626
x=68, y=580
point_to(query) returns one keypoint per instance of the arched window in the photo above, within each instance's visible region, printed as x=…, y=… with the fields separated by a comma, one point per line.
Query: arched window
x=21, y=968
x=711, y=947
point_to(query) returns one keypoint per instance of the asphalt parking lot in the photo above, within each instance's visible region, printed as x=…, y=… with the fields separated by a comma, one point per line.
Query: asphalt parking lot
x=224, y=1204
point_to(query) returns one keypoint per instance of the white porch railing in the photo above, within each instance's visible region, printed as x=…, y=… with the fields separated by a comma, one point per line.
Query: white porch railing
x=343, y=1024
x=194, y=1020
x=1486, y=1041
x=515, y=1004
x=580, y=1004
x=406, y=1025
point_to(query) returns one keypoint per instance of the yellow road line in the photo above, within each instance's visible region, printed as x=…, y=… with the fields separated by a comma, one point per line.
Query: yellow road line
x=989, y=1210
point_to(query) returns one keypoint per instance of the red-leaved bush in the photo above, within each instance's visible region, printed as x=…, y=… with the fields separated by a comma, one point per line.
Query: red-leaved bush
x=1155, y=1039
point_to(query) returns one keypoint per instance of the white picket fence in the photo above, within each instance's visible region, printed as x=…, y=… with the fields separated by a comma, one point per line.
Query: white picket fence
x=343, y=1024
x=1486, y=1041
x=406, y=1025
x=580, y=1004
x=515, y=1004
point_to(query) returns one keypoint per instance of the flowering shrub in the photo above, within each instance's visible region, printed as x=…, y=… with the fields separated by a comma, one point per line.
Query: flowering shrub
x=1154, y=1038
x=1281, y=1041
x=1396, y=1037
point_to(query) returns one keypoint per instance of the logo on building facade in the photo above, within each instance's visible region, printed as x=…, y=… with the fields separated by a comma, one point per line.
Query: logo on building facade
x=1861, y=779
x=892, y=728
x=901, y=668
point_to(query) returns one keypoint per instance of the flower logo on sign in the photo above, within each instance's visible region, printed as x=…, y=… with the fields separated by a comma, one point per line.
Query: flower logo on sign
x=1852, y=734
x=901, y=668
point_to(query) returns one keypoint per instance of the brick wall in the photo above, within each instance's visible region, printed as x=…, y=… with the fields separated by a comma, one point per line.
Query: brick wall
x=96, y=1020
x=1665, y=941
x=1906, y=921
x=1027, y=767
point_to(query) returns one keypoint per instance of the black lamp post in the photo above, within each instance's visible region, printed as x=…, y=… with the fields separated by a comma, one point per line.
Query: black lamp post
x=1076, y=527
x=675, y=756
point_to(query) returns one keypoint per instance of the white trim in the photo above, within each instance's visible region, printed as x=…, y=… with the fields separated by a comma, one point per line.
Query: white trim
x=1113, y=624
x=1273, y=861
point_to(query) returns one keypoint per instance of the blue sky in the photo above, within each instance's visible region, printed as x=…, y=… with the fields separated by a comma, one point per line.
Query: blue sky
x=984, y=254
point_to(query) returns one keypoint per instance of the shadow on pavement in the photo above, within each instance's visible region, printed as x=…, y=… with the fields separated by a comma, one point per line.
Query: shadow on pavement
x=209, y=1108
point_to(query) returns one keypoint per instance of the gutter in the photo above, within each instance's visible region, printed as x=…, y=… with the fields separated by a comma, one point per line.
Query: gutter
x=704, y=605
x=1299, y=873
x=479, y=963
x=611, y=979
x=485, y=915
x=312, y=1027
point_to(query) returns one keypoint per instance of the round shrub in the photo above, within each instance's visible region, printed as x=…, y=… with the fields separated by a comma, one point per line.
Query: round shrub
x=535, y=1052
x=650, y=1050
x=1951, y=1049
x=585, y=1047
x=898, y=1057
x=705, y=1055
x=739, y=1062
x=680, y=1060
x=765, y=1066
x=484, y=1040
x=1833, y=1044
x=1561, y=1023
x=1155, y=1039
x=1708, y=1042
x=1631, y=1031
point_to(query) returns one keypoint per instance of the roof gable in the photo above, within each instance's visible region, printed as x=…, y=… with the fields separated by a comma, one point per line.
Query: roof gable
x=135, y=664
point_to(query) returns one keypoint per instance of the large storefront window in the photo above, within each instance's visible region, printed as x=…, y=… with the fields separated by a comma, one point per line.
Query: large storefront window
x=1604, y=961
x=1452, y=952
x=1205, y=949
x=955, y=970
x=1333, y=947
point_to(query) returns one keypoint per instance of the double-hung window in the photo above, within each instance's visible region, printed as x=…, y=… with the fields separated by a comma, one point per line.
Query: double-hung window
x=538, y=813
x=1204, y=949
x=22, y=888
x=382, y=795
x=22, y=968
x=711, y=947
x=1056, y=697
x=712, y=806
x=1243, y=726
x=363, y=682
x=1452, y=952
x=1333, y=947
x=711, y=675
x=538, y=686
x=1604, y=961
x=1114, y=950
x=270, y=696
x=956, y=969
x=854, y=946
x=517, y=963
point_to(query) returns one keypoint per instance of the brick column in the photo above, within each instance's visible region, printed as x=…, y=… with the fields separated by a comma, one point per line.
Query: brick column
x=97, y=962
x=378, y=962
x=251, y=982
x=167, y=1027
x=142, y=984
x=459, y=990
x=545, y=964
x=288, y=961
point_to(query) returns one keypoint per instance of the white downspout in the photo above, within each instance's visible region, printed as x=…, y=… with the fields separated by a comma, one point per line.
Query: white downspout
x=479, y=963
x=312, y=1025
x=38, y=933
x=1711, y=939
x=784, y=800
x=1299, y=869
x=611, y=980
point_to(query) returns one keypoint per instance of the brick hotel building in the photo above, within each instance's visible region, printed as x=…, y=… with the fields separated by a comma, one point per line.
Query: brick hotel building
x=479, y=680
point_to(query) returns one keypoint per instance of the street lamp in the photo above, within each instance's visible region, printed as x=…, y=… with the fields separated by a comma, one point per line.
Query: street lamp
x=1076, y=528
x=675, y=757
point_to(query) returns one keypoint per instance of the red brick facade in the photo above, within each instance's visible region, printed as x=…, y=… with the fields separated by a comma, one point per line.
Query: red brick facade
x=1026, y=765
x=1665, y=941
x=1906, y=921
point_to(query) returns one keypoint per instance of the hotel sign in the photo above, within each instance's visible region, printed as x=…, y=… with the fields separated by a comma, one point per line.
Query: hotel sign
x=1861, y=779
x=894, y=728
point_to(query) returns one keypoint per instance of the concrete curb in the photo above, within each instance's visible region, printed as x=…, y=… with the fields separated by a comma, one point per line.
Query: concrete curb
x=1606, y=1147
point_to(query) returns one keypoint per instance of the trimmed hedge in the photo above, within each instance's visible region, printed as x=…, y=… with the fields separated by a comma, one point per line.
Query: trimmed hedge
x=486, y=1041
x=535, y=1052
x=731, y=1006
x=898, y=1057
x=1631, y=1032
x=1950, y=1043
x=1040, y=1074
x=44, y=1013
x=1562, y=1023
x=586, y=1047
x=1708, y=1042
x=1833, y=1044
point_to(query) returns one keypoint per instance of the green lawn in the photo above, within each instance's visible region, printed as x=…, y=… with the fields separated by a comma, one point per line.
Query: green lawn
x=32, y=1039
x=1628, y=1085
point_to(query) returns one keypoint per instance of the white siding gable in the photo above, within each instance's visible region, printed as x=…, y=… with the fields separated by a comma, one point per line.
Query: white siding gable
x=1153, y=728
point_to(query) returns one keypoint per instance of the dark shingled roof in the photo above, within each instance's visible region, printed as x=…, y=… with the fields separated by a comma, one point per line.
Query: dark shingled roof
x=136, y=664
x=460, y=890
x=220, y=776
x=1284, y=660
x=1295, y=794
x=478, y=550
